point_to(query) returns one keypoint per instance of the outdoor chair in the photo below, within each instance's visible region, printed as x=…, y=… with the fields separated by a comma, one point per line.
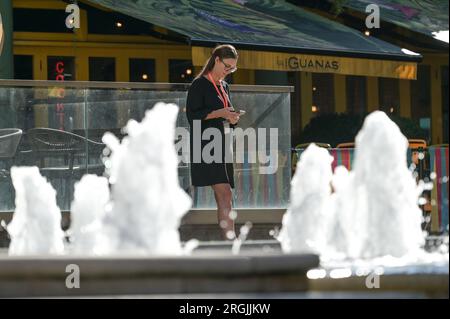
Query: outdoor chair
x=305, y=145
x=299, y=148
x=417, y=143
x=65, y=155
x=342, y=157
x=416, y=147
x=346, y=145
x=416, y=156
x=417, y=160
x=439, y=193
x=73, y=149
x=9, y=140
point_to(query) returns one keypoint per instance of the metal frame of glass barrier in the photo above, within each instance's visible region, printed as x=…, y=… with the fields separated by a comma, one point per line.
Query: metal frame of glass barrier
x=89, y=109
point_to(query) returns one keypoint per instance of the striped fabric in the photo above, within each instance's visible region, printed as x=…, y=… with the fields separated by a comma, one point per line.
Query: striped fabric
x=247, y=184
x=342, y=156
x=203, y=197
x=439, y=165
x=252, y=189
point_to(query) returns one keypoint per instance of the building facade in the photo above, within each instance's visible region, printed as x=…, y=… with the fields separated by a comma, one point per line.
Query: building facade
x=110, y=45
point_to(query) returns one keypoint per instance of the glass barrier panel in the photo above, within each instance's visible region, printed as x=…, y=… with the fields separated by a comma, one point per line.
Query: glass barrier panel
x=61, y=129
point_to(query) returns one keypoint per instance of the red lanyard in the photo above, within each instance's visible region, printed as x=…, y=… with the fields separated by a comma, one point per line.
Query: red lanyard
x=223, y=96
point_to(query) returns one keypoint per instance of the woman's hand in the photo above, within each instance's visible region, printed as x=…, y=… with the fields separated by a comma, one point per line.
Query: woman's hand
x=234, y=118
x=227, y=114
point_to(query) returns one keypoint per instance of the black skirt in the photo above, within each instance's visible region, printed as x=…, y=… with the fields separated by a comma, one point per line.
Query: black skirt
x=202, y=99
x=206, y=174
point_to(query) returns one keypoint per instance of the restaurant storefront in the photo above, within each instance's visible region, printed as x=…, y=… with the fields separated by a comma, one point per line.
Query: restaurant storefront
x=165, y=42
x=323, y=67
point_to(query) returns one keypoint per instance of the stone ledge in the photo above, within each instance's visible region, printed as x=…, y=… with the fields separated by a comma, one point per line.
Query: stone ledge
x=430, y=285
x=45, y=275
x=200, y=224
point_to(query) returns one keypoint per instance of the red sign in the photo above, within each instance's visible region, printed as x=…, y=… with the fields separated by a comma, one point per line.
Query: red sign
x=60, y=95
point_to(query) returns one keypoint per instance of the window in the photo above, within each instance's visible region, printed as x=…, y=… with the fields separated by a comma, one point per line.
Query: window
x=102, y=69
x=40, y=20
x=103, y=22
x=323, y=93
x=389, y=96
x=421, y=98
x=356, y=94
x=23, y=67
x=181, y=71
x=296, y=114
x=61, y=68
x=142, y=70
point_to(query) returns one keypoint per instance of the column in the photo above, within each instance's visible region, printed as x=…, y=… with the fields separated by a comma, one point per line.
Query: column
x=306, y=97
x=373, y=101
x=340, y=93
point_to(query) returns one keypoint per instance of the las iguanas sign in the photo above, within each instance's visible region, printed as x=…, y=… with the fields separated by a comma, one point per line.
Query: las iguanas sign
x=295, y=63
x=281, y=61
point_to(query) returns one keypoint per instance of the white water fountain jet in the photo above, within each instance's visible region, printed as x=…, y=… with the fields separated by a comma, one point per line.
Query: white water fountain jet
x=381, y=194
x=142, y=214
x=36, y=225
x=147, y=201
x=91, y=198
x=373, y=211
x=239, y=240
x=302, y=229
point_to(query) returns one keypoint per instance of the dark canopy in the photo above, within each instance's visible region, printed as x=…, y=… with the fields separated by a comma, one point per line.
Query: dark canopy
x=423, y=16
x=271, y=25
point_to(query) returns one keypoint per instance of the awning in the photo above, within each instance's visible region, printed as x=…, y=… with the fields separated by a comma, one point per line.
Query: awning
x=427, y=17
x=272, y=35
x=280, y=61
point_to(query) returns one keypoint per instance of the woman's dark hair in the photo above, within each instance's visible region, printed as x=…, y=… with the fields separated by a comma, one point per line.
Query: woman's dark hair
x=224, y=51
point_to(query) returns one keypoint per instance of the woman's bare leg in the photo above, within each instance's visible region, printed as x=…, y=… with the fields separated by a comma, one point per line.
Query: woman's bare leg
x=223, y=195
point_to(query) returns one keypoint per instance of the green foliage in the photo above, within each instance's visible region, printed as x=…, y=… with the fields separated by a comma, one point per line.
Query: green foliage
x=409, y=127
x=339, y=128
x=337, y=6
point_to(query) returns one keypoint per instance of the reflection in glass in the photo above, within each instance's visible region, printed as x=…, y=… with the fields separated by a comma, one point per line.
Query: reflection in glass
x=89, y=113
x=142, y=70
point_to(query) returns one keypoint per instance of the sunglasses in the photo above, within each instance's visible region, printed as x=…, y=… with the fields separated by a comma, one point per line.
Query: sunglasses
x=228, y=68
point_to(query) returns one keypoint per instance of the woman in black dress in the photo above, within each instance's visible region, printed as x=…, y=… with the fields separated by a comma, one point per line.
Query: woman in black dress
x=208, y=106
